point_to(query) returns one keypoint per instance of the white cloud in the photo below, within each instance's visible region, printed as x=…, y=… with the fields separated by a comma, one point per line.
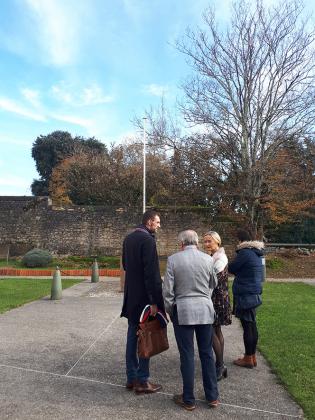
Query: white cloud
x=57, y=29
x=32, y=96
x=72, y=119
x=90, y=95
x=61, y=93
x=156, y=90
x=70, y=97
x=93, y=95
x=11, y=106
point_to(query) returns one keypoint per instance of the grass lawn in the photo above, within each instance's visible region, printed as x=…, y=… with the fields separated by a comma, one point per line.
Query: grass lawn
x=286, y=324
x=16, y=292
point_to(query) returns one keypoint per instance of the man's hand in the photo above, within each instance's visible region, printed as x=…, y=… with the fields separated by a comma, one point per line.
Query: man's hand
x=154, y=310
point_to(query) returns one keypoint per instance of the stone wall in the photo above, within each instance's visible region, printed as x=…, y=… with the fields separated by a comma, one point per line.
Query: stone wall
x=28, y=222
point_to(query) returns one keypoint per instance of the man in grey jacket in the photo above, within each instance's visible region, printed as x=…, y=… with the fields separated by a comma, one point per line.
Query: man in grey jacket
x=188, y=285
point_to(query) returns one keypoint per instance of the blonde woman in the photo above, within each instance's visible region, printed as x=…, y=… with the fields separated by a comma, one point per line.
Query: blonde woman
x=220, y=298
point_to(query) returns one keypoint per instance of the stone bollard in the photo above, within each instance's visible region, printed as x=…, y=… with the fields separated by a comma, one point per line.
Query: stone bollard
x=56, y=287
x=95, y=274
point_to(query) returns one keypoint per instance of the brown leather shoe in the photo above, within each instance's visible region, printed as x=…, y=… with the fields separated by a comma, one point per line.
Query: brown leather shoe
x=246, y=361
x=254, y=360
x=178, y=399
x=147, y=388
x=131, y=385
x=213, y=404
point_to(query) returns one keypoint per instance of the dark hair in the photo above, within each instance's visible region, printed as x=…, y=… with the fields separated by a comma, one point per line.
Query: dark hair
x=149, y=215
x=243, y=235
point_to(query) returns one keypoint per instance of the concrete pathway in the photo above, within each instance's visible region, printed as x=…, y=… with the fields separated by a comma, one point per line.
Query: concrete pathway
x=309, y=281
x=65, y=360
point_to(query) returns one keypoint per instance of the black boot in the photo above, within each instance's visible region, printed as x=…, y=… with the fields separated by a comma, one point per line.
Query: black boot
x=221, y=372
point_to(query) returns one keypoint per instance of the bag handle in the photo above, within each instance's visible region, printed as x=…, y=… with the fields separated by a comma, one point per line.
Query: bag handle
x=160, y=316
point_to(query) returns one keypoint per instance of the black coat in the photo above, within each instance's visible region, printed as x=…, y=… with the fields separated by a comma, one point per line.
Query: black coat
x=143, y=283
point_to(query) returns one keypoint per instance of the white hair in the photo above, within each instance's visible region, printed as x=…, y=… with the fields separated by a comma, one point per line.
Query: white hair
x=188, y=237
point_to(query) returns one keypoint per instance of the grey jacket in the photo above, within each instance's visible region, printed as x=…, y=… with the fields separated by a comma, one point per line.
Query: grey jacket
x=188, y=283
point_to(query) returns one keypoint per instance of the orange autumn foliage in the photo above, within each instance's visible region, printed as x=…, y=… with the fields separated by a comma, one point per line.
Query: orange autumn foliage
x=58, y=187
x=290, y=182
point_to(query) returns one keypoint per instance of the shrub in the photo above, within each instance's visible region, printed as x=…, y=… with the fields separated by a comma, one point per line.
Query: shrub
x=289, y=253
x=37, y=258
x=274, y=263
x=76, y=261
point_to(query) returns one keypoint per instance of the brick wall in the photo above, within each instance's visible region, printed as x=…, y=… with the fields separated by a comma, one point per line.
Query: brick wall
x=27, y=222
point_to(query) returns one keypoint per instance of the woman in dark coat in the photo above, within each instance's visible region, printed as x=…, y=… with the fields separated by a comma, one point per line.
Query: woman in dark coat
x=247, y=288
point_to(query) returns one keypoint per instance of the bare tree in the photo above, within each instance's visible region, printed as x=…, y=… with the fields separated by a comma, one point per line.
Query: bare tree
x=163, y=131
x=253, y=88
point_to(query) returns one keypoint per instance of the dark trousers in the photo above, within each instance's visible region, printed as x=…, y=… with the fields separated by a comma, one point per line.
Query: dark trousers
x=136, y=368
x=184, y=335
x=250, y=336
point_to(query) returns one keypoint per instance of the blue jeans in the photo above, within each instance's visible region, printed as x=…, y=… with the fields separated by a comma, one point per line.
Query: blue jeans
x=184, y=335
x=136, y=368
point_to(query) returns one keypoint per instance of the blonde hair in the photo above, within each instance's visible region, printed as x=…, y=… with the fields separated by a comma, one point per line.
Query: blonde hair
x=214, y=235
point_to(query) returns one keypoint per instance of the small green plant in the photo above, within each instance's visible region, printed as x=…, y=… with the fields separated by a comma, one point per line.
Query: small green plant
x=37, y=258
x=274, y=263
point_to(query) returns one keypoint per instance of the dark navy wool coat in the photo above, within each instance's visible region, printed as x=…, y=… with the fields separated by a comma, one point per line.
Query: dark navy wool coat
x=248, y=269
x=143, y=283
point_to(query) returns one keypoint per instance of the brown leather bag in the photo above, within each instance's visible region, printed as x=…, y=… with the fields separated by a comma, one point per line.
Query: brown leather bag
x=152, y=339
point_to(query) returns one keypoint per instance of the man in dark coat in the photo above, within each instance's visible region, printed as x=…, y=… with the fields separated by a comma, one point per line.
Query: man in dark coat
x=143, y=286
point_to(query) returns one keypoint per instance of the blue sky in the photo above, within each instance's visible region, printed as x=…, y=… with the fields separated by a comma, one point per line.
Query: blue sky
x=87, y=67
